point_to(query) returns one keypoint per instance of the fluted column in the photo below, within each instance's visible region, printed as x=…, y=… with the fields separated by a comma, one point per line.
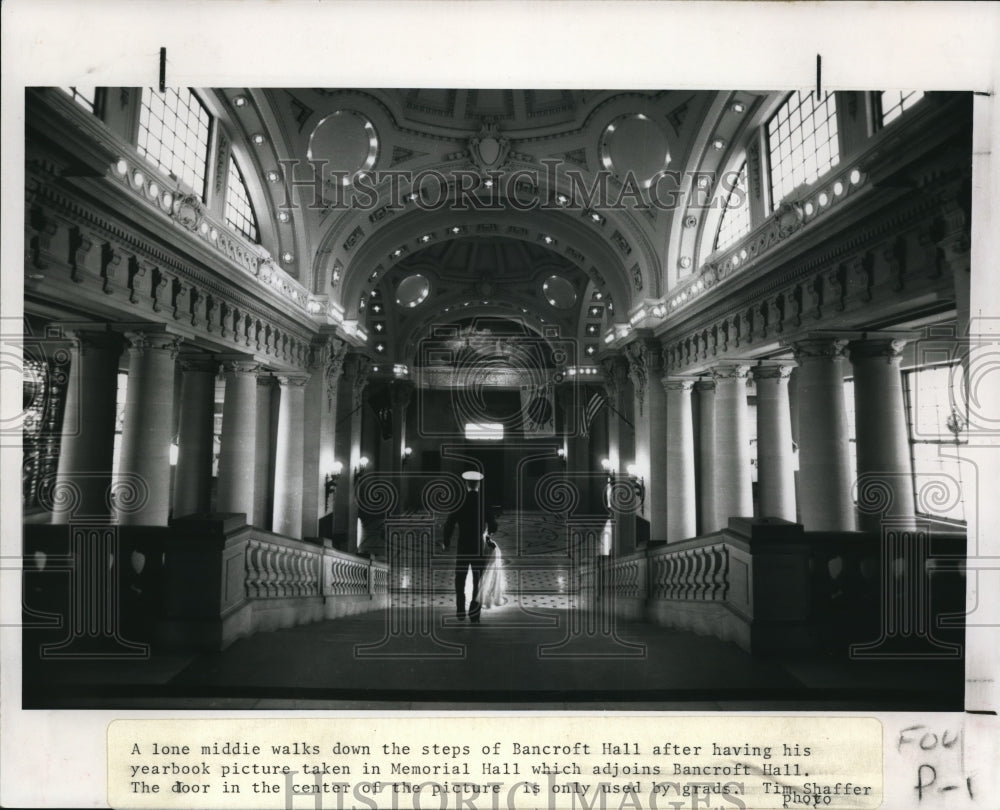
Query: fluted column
x=288, y=455
x=775, y=461
x=706, y=457
x=681, y=502
x=238, y=454
x=733, y=487
x=86, y=450
x=193, y=474
x=824, y=463
x=880, y=425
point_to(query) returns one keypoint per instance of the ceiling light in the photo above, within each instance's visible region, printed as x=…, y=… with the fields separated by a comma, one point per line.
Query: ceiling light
x=855, y=177
x=283, y=216
x=738, y=107
x=258, y=138
x=287, y=257
x=273, y=176
x=240, y=101
x=719, y=144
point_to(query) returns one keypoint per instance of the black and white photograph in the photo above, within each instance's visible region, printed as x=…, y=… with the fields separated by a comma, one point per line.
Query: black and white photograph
x=483, y=394
x=394, y=396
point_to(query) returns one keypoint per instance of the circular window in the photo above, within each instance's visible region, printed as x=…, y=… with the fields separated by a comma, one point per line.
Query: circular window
x=635, y=143
x=559, y=292
x=412, y=290
x=347, y=142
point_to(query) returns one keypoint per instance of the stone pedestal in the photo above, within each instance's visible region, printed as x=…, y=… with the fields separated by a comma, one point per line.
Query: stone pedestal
x=681, y=503
x=824, y=468
x=733, y=488
x=288, y=455
x=86, y=452
x=193, y=474
x=238, y=455
x=775, y=460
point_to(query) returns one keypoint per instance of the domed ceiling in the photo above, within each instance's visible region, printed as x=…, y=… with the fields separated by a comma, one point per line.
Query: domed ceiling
x=394, y=154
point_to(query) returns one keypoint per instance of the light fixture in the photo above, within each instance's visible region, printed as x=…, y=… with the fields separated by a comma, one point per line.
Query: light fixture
x=273, y=176
x=121, y=167
x=240, y=101
x=330, y=481
x=855, y=177
x=407, y=452
x=838, y=188
x=638, y=484
x=287, y=257
x=174, y=453
x=362, y=466
x=824, y=198
x=283, y=216
x=561, y=452
x=257, y=138
x=719, y=144
x=488, y=183
x=738, y=107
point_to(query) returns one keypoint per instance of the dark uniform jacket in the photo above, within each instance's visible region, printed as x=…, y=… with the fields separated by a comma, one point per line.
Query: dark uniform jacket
x=471, y=518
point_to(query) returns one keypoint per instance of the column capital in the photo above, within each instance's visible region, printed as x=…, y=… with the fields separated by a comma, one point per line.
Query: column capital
x=190, y=361
x=780, y=370
x=875, y=344
x=292, y=380
x=823, y=347
x=92, y=336
x=730, y=371
x=704, y=384
x=238, y=364
x=143, y=340
x=677, y=383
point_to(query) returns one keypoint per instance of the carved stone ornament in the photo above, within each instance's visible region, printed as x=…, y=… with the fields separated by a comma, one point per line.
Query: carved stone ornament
x=789, y=218
x=188, y=211
x=488, y=148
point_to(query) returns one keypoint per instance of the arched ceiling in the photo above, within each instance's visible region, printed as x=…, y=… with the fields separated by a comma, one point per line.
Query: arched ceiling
x=572, y=171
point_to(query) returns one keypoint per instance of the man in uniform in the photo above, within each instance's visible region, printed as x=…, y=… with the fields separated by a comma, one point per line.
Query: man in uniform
x=475, y=525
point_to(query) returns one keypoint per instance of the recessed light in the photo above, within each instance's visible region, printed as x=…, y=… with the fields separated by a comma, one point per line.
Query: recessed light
x=855, y=177
x=240, y=101
x=121, y=167
x=738, y=107
x=287, y=256
x=838, y=188
x=258, y=138
x=273, y=176
x=824, y=198
x=283, y=216
x=488, y=183
x=718, y=143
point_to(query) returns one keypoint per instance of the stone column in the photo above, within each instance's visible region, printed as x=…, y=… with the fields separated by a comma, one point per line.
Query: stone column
x=706, y=457
x=775, y=460
x=400, y=394
x=733, y=486
x=86, y=452
x=681, y=504
x=193, y=474
x=321, y=420
x=645, y=368
x=238, y=455
x=288, y=455
x=263, y=482
x=357, y=369
x=620, y=444
x=885, y=469
x=824, y=468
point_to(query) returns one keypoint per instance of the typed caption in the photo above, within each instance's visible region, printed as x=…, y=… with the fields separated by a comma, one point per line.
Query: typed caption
x=497, y=762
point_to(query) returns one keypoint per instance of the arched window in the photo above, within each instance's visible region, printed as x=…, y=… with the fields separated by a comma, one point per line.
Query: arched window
x=802, y=142
x=893, y=103
x=735, y=220
x=173, y=134
x=239, y=210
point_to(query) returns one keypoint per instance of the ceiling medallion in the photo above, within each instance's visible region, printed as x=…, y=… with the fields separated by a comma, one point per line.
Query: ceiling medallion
x=488, y=148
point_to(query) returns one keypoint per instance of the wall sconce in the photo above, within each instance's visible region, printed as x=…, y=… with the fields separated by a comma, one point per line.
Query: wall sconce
x=407, y=452
x=362, y=464
x=606, y=466
x=638, y=484
x=561, y=452
x=174, y=452
x=330, y=484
